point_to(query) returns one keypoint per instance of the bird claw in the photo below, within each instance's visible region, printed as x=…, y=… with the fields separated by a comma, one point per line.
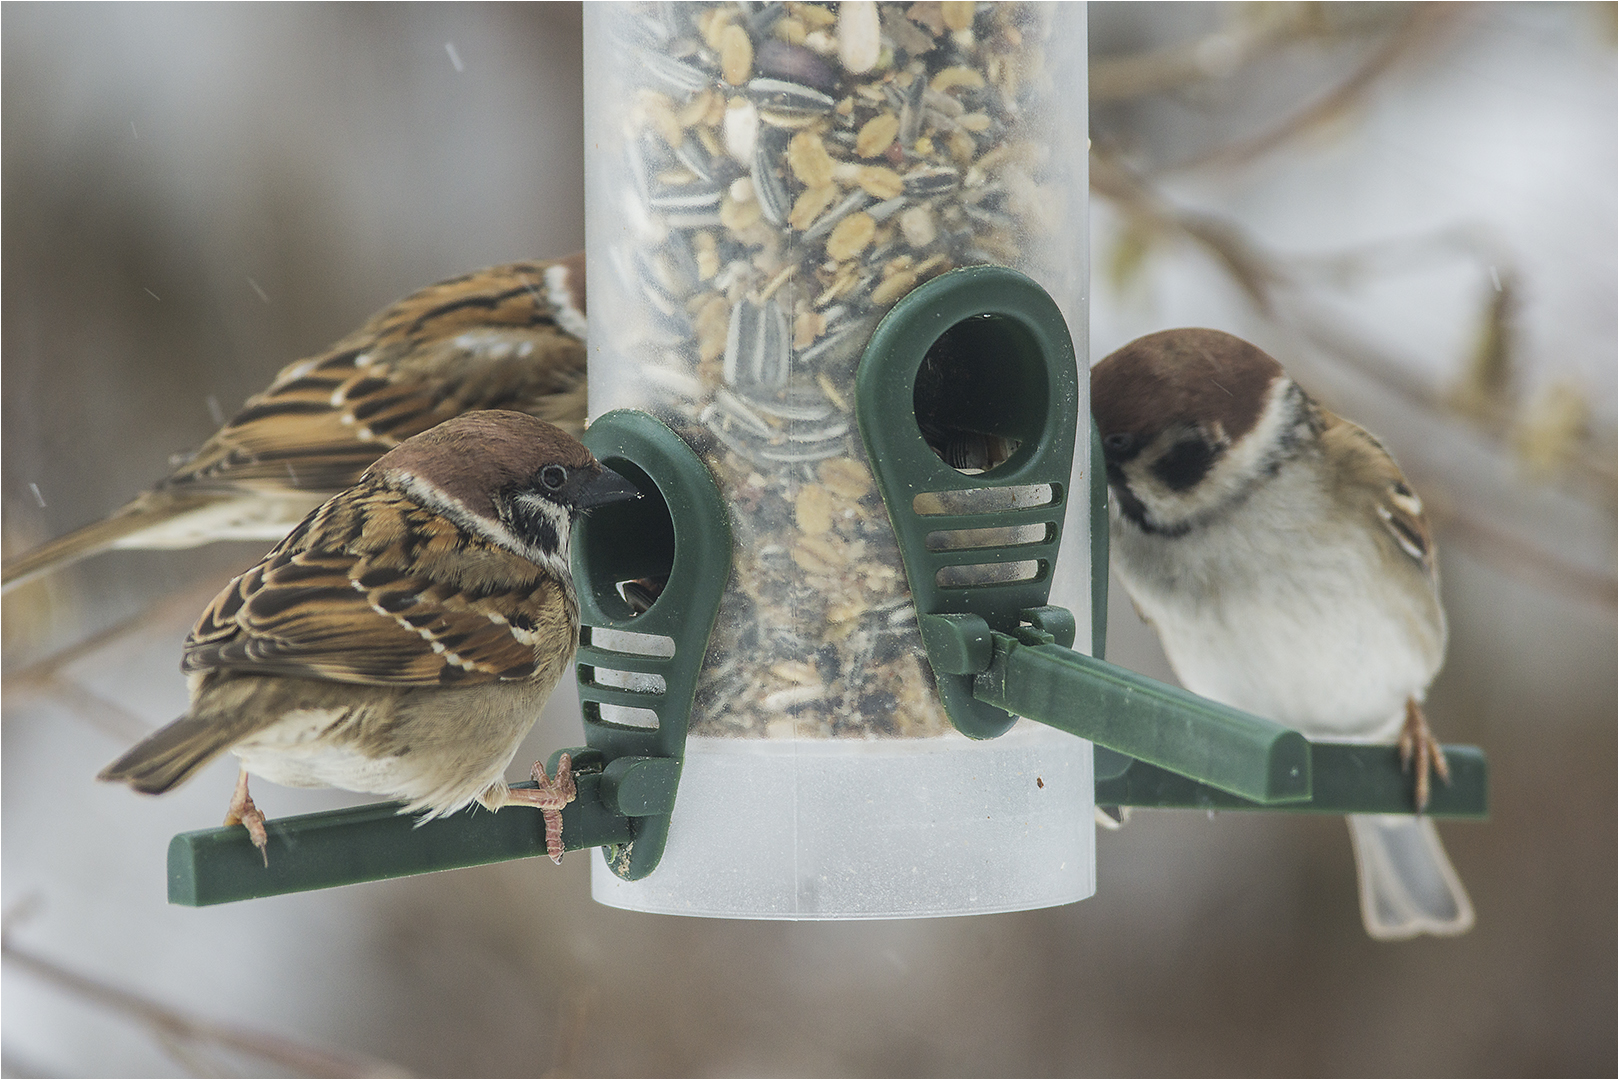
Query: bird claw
x=550, y=795
x=243, y=812
x=1417, y=742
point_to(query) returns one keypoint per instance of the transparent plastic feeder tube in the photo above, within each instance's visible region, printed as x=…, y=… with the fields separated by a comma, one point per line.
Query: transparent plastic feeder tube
x=765, y=180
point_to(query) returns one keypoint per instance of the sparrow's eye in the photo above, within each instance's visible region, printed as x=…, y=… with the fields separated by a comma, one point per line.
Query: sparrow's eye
x=553, y=477
x=1119, y=442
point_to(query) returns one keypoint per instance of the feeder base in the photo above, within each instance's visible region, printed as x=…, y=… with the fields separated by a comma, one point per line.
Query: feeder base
x=891, y=829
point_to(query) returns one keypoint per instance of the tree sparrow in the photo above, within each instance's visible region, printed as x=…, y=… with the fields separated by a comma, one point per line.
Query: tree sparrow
x=402, y=639
x=1288, y=570
x=507, y=337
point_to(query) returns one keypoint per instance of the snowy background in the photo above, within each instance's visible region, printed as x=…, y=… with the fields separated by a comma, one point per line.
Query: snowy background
x=1413, y=208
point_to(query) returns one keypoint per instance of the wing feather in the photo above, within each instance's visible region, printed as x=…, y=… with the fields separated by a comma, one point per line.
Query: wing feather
x=1369, y=467
x=344, y=601
x=486, y=340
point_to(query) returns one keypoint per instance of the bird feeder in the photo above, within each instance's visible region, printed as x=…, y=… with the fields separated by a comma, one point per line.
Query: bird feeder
x=764, y=183
x=834, y=260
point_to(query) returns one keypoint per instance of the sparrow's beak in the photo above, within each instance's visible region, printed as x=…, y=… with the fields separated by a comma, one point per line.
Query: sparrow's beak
x=603, y=488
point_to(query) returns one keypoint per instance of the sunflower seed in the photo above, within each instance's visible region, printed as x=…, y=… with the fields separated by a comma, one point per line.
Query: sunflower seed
x=817, y=435
x=762, y=19
x=928, y=180
x=684, y=273
x=988, y=217
x=815, y=452
x=910, y=113
x=728, y=406
x=694, y=156
x=690, y=206
x=806, y=408
x=683, y=79
x=768, y=186
x=789, y=98
x=839, y=344
x=758, y=345
x=827, y=221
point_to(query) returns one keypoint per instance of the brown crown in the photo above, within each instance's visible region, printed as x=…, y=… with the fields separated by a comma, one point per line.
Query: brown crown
x=1186, y=376
x=477, y=453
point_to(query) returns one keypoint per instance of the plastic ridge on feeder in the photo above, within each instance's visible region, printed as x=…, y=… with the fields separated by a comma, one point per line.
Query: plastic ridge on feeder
x=677, y=538
x=1346, y=778
x=1036, y=676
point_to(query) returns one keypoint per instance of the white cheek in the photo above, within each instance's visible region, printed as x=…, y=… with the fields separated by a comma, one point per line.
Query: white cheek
x=1233, y=473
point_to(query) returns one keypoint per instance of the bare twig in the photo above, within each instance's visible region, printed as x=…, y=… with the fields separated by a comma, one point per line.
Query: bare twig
x=108, y=716
x=575, y=1029
x=169, y=609
x=1213, y=56
x=1524, y=560
x=48, y=677
x=1420, y=28
x=190, y=1038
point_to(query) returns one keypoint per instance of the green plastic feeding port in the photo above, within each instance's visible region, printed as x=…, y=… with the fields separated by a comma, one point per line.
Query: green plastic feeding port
x=648, y=575
x=968, y=402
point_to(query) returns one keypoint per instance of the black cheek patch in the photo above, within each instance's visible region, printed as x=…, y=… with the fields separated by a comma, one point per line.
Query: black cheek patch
x=543, y=534
x=532, y=525
x=1185, y=464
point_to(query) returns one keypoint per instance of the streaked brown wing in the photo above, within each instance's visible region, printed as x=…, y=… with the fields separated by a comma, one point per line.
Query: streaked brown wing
x=487, y=340
x=1371, y=468
x=1401, y=513
x=316, y=610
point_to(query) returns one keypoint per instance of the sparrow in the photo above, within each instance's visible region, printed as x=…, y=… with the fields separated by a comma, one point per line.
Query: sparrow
x=1288, y=569
x=506, y=337
x=402, y=639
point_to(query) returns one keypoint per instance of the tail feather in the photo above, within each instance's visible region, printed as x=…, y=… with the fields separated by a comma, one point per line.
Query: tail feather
x=1407, y=884
x=170, y=755
x=149, y=511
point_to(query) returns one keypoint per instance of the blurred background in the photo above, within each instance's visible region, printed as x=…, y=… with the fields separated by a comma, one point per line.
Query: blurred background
x=1412, y=206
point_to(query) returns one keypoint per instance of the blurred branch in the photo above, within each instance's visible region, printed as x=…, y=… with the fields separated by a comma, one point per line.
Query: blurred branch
x=192, y=1040
x=47, y=677
x=1250, y=33
x=575, y=1030
x=1421, y=27
x=169, y=609
x=1213, y=56
x=100, y=713
x=1524, y=560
